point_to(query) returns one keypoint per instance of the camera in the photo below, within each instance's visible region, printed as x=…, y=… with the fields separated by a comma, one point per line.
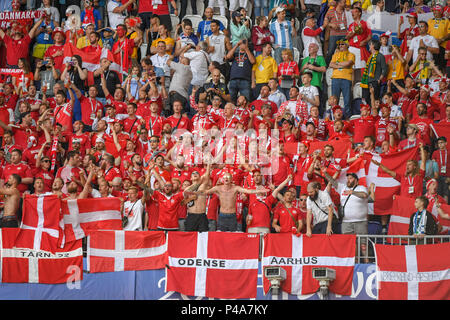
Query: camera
x=324, y=276
x=275, y=275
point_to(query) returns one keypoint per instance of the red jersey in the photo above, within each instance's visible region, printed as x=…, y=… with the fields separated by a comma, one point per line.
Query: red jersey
x=21, y=135
x=111, y=173
x=64, y=115
x=23, y=170
x=424, y=127
x=121, y=107
x=259, y=208
x=89, y=109
x=168, y=209
x=411, y=186
x=362, y=127
x=183, y=123
x=130, y=126
x=57, y=60
x=441, y=157
x=285, y=220
x=48, y=179
x=280, y=169
x=257, y=104
x=16, y=48
x=82, y=139
x=381, y=130
x=154, y=125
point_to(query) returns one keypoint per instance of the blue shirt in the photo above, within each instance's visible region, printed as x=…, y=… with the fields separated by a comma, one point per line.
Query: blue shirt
x=282, y=33
x=204, y=29
x=44, y=37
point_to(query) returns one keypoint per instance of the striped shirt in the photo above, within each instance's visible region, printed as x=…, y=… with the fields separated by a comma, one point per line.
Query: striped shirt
x=283, y=34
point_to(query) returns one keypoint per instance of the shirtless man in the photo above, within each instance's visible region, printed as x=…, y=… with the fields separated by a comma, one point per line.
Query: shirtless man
x=196, y=219
x=12, y=200
x=227, y=193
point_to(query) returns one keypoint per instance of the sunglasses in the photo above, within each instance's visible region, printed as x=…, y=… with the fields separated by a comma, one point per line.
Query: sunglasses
x=302, y=199
x=46, y=160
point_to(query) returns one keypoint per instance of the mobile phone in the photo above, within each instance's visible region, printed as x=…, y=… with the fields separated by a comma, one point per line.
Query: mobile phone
x=426, y=64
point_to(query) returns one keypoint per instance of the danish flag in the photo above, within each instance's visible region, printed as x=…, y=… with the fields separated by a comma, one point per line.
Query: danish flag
x=402, y=210
x=385, y=185
x=445, y=223
x=299, y=255
x=25, y=265
x=220, y=265
x=419, y=272
x=40, y=228
x=110, y=251
x=81, y=216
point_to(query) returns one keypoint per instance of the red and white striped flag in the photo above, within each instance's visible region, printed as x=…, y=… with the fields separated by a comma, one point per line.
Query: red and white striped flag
x=299, y=255
x=41, y=223
x=419, y=272
x=220, y=265
x=111, y=251
x=385, y=185
x=24, y=265
x=83, y=216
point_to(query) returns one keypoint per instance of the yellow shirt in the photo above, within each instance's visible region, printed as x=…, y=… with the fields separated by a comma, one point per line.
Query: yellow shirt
x=264, y=69
x=396, y=70
x=344, y=73
x=167, y=41
x=439, y=28
x=84, y=42
x=135, y=49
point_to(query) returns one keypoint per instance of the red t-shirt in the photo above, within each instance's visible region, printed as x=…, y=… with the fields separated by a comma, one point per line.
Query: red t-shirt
x=89, y=109
x=285, y=220
x=363, y=127
x=83, y=139
x=57, y=60
x=411, y=186
x=48, y=179
x=260, y=208
x=23, y=170
x=121, y=107
x=441, y=157
x=168, y=209
x=16, y=49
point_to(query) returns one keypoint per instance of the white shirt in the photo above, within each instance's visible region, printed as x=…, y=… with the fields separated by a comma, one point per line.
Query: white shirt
x=199, y=66
x=218, y=42
x=356, y=209
x=310, y=92
x=428, y=40
x=161, y=62
x=319, y=211
x=134, y=211
x=114, y=18
x=307, y=40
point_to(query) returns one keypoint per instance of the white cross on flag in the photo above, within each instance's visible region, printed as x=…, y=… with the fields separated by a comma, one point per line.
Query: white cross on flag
x=110, y=251
x=24, y=265
x=82, y=216
x=221, y=265
x=402, y=210
x=419, y=272
x=41, y=223
x=299, y=255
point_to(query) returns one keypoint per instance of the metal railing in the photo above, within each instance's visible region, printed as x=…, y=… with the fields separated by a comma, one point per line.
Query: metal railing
x=365, y=244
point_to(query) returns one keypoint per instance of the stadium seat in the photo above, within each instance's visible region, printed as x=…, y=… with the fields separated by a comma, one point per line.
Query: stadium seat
x=222, y=19
x=296, y=55
x=143, y=49
x=175, y=21
x=195, y=19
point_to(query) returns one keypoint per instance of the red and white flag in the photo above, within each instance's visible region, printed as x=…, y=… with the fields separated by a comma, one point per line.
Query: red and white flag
x=358, y=167
x=299, y=255
x=91, y=61
x=419, y=272
x=83, y=216
x=385, y=185
x=441, y=129
x=220, y=265
x=24, y=265
x=41, y=223
x=402, y=210
x=111, y=251
x=445, y=223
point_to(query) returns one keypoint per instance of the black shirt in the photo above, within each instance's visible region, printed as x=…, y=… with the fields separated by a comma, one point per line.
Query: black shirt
x=112, y=80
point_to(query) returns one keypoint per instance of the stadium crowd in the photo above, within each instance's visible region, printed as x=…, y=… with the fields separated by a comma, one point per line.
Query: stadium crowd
x=192, y=124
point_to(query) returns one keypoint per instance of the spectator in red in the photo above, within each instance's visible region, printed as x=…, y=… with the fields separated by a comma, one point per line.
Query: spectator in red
x=409, y=33
x=363, y=126
x=18, y=43
x=16, y=166
x=123, y=47
x=56, y=51
x=71, y=171
x=423, y=122
x=441, y=157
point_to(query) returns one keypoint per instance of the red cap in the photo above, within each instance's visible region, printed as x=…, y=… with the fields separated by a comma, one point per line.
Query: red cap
x=438, y=7
x=412, y=15
x=58, y=30
x=166, y=121
x=364, y=106
x=384, y=105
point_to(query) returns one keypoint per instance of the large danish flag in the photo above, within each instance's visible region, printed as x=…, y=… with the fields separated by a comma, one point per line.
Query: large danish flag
x=402, y=210
x=110, y=251
x=82, y=216
x=419, y=272
x=385, y=185
x=299, y=255
x=24, y=265
x=41, y=223
x=220, y=265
